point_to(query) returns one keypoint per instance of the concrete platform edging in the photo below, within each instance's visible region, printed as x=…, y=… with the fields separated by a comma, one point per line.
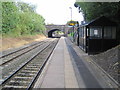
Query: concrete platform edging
x=58, y=72
x=70, y=78
x=101, y=76
x=44, y=71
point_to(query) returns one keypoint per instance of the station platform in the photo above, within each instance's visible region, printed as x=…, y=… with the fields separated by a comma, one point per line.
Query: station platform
x=70, y=67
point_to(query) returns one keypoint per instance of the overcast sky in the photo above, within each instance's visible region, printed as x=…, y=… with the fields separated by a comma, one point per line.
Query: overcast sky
x=56, y=11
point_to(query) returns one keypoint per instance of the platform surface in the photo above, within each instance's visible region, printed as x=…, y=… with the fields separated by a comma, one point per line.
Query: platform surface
x=70, y=67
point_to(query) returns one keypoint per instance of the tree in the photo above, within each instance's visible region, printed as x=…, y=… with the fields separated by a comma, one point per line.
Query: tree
x=19, y=19
x=24, y=7
x=10, y=17
x=92, y=10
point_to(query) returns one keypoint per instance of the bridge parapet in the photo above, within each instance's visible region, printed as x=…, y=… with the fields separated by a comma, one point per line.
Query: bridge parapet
x=63, y=28
x=51, y=27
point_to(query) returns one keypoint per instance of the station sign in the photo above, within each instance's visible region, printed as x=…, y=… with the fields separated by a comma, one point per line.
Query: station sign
x=73, y=23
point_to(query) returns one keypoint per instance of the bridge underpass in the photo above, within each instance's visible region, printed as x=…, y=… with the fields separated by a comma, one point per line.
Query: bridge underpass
x=50, y=29
x=51, y=33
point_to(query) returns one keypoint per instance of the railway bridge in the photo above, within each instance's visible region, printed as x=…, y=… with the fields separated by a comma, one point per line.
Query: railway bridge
x=52, y=28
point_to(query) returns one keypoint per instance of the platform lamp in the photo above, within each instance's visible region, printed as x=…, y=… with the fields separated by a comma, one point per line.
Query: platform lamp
x=71, y=12
x=71, y=20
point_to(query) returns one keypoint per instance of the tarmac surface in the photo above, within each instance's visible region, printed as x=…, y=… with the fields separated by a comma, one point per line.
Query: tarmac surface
x=70, y=67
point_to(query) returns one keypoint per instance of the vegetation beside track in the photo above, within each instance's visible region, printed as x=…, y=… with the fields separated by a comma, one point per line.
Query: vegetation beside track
x=20, y=19
x=12, y=42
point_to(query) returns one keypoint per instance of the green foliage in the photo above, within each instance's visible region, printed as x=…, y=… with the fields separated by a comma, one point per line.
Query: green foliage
x=9, y=17
x=24, y=7
x=20, y=19
x=0, y=19
x=92, y=10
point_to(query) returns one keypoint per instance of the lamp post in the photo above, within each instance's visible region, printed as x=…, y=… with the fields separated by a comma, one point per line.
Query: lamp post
x=73, y=25
x=71, y=12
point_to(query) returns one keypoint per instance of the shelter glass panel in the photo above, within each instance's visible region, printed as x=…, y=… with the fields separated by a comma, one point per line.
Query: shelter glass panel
x=87, y=32
x=96, y=32
x=109, y=32
x=80, y=32
x=84, y=32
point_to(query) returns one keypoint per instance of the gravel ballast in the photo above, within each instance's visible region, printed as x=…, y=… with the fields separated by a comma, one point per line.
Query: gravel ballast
x=109, y=61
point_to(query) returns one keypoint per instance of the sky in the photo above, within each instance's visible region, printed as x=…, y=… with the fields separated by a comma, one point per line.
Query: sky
x=56, y=11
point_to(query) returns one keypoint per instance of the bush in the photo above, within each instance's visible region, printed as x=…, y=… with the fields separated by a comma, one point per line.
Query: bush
x=20, y=19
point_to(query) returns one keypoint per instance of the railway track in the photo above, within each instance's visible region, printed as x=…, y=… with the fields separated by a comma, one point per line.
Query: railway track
x=12, y=60
x=16, y=60
x=25, y=76
x=4, y=53
x=17, y=53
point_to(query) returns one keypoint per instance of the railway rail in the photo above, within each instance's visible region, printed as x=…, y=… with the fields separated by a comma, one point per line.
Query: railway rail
x=17, y=53
x=25, y=76
x=13, y=62
x=4, y=53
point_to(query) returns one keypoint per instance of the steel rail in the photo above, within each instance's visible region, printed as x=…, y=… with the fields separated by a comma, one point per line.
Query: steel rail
x=29, y=60
x=19, y=50
x=19, y=55
x=41, y=68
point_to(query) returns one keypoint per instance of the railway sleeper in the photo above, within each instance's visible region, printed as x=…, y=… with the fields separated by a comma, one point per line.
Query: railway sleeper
x=22, y=81
x=13, y=83
x=10, y=87
x=28, y=71
x=31, y=69
x=34, y=64
x=25, y=75
x=22, y=78
x=30, y=66
x=37, y=62
x=22, y=72
x=6, y=65
x=40, y=58
x=18, y=83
